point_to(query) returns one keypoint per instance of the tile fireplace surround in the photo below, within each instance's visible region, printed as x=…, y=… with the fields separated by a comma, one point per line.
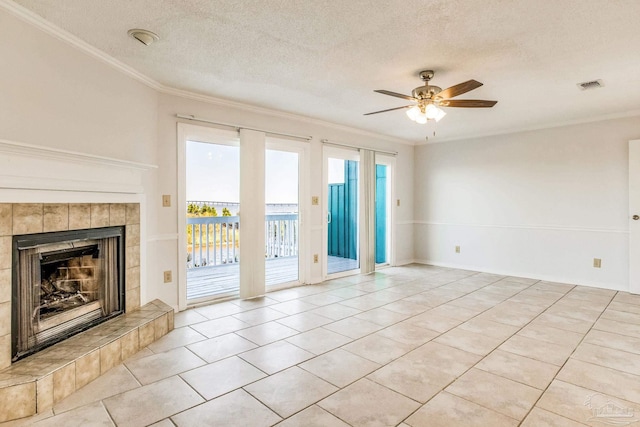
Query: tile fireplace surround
x=38, y=381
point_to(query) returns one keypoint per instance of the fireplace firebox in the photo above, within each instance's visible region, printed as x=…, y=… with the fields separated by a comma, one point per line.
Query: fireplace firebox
x=64, y=283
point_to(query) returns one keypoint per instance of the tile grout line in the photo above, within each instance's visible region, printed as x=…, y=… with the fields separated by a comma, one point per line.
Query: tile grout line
x=473, y=366
x=358, y=379
x=108, y=413
x=443, y=389
x=297, y=365
x=383, y=365
x=401, y=298
x=565, y=362
x=421, y=404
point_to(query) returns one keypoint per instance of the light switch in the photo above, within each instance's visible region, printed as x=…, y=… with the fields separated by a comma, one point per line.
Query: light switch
x=166, y=200
x=315, y=200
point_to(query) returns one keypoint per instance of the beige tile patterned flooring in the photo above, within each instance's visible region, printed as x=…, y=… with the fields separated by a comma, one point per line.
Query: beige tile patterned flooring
x=407, y=346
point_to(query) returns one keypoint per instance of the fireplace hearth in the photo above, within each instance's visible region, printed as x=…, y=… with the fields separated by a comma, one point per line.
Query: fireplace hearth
x=64, y=283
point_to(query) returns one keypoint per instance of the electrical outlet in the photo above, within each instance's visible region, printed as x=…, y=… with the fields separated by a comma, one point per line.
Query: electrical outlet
x=597, y=263
x=398, y=202
x=315, y=258
x=167, y=276
x=457, y=249
x=315, y=200
x=166, y=200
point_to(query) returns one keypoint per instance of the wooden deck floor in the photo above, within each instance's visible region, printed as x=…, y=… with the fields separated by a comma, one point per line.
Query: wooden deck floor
x=223, y=279
x=337, y=264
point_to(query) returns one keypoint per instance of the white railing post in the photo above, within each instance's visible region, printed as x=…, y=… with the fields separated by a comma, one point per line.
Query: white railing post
x=215, y=244
x=234, y=242
x=200, y=245
x=206, y=230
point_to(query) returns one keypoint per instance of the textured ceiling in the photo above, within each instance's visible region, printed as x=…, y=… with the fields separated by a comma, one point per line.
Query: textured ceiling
x=324, y=58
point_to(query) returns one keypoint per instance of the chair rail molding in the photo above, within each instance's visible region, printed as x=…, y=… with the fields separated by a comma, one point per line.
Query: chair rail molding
x=525, y=227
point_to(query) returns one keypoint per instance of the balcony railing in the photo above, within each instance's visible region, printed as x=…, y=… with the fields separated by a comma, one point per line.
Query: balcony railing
x=215, y=240
x=281, y=235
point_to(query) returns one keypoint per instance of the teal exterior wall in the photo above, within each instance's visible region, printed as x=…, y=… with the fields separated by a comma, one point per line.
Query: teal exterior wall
x=381, y=214
x=343, y=211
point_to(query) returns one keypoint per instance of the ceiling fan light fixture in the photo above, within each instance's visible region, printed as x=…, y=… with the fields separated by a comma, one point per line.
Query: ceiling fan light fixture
x=439, y=114
x=413, y=112
x=431, y=111
x=421, y=118
x=423, y=113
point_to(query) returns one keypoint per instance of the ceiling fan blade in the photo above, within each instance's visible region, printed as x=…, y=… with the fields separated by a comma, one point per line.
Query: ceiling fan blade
x=390, y=109
x=397, y=95
x=459, y=89
x=467, y=103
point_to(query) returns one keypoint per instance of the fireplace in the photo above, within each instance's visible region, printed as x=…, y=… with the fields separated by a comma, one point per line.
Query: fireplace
x=63, y=283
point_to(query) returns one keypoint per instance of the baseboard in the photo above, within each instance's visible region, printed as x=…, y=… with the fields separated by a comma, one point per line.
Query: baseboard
x=546, y=278
x=314, y=280
x=404, y=262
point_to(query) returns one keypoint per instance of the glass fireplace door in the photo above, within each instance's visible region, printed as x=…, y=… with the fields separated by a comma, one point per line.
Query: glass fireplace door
x=64, y=283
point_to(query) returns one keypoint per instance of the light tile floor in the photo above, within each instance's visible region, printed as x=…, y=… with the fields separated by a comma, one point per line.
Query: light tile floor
x=407, y=346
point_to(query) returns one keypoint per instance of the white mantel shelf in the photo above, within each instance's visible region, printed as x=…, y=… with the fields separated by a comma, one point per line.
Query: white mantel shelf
x=33, y=167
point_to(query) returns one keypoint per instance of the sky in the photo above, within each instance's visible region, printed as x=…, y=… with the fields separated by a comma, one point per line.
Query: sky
x=213, y=174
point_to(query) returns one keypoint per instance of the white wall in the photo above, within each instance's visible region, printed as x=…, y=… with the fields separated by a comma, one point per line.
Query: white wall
x=540, y=204
x=54, y=95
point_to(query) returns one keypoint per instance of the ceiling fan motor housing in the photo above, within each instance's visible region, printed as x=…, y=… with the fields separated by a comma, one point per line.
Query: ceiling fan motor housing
x=426, y=92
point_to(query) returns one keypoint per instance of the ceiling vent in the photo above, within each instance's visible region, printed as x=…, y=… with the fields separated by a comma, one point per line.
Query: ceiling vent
x=593, y=84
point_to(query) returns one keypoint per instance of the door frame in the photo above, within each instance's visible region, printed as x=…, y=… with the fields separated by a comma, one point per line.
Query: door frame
x=302, y=149
x=634, y=209
x=344, y=154
x=188, y=132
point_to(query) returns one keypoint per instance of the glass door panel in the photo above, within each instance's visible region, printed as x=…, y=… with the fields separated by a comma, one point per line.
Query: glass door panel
x=343, y=194
x=381, y=207
x=384, y=173
x=282, y=225
x=213, y=224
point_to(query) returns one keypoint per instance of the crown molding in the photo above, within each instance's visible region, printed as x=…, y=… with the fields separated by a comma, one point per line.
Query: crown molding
x=277, y=113
x=613, y=116
x=37, y=21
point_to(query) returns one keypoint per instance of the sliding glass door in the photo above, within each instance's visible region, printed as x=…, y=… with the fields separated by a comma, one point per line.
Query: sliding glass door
x=212, y=221
x=282, y=213
x=383, y=209
x=342, y=201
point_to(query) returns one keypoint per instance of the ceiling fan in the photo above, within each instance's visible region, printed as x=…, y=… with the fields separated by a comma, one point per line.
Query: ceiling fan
x=429, y=98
